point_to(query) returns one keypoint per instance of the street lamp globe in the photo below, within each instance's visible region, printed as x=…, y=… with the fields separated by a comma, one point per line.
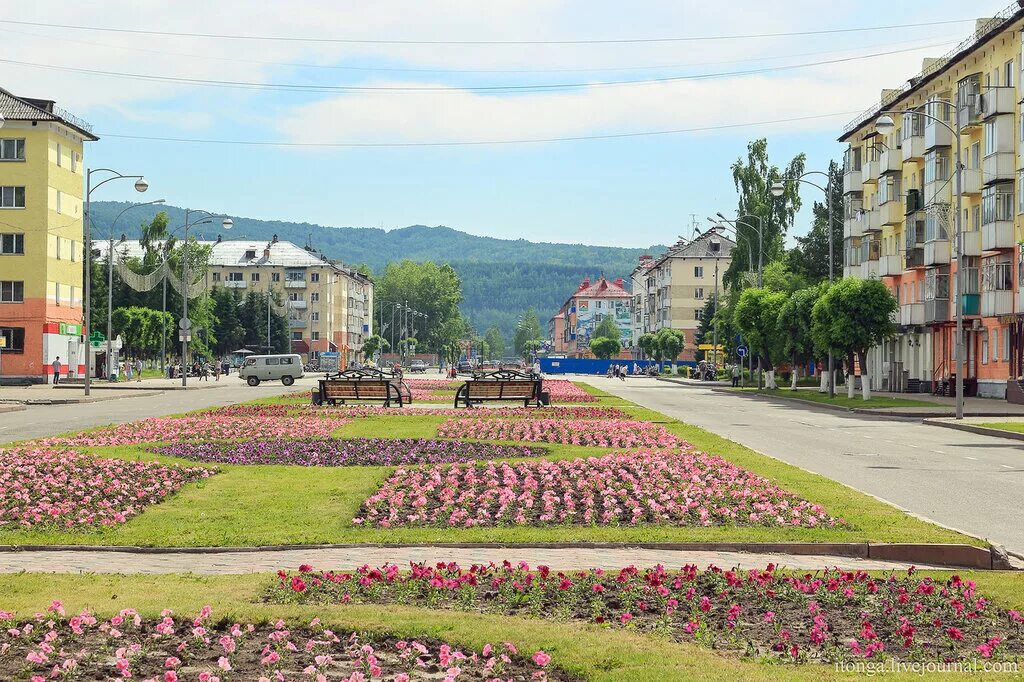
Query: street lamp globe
x=778, y=189
x=885, y=124
x=227, y=223
x=141, y=185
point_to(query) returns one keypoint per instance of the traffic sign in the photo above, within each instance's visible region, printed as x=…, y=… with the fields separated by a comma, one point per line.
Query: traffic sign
x=708, y=346
x=184, y=323
x=184, y=336
x=742, y=351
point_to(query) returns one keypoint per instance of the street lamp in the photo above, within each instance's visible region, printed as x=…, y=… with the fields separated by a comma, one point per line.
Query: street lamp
x=778, y=189
x=725, y=226
x=110, y=277
x=760, y=239
x=140, y=186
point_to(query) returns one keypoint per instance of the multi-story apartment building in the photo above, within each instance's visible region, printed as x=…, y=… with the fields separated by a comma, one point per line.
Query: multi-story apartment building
x=900, y=212
x=584, y=310
x=670, y=291
x=41, y=181
x=329, y=306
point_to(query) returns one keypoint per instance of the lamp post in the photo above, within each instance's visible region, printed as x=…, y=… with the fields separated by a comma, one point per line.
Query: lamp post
x=760, y=239
x=886, y=125
x=110, y=277
x=185, y=331
x=778, y=189
x=140, y=186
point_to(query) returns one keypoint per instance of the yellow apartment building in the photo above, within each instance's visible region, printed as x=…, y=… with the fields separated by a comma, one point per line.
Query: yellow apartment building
x=900, y=213
x=41, y=188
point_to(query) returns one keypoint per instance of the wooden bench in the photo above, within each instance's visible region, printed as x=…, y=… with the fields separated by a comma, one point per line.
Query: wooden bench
x=363, y=385
x=500, y=385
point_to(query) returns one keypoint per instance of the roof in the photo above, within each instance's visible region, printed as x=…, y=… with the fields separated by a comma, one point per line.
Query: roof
x=14, y=108
x=985, y=30
x=602, y=288
x=699, y=247
x=242, y=253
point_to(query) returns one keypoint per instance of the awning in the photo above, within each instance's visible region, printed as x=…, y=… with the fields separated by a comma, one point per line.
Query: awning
x=300, y=347
x=242, y=351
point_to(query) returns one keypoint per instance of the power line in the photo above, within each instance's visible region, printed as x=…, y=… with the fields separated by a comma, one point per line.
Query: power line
x=399, y=69
x=593, y=41
x=473, y=143
x=536, y=87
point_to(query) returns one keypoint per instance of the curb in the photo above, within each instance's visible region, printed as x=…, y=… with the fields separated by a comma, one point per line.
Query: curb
x=80, y=401
x=12, y=408
x=974, y=428
x=949, y=555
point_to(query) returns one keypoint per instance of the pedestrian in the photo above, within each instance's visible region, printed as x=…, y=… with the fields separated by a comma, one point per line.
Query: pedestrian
x=56, y=371
x=216, y=371
x=622, y=372
x=204, y=372
x=138, y=369
x=735, y=375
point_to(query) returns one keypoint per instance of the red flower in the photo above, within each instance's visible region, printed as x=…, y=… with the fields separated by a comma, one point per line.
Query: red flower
x=298, y=584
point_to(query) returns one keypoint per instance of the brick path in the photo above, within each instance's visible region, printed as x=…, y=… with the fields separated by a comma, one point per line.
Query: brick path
x=228, y=562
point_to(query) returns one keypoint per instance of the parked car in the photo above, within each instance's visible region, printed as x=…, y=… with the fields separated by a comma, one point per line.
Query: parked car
x=465, y=366
x=257, y=368
x=417, y=366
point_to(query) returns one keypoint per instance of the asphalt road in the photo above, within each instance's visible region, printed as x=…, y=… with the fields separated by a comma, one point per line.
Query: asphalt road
x=48, y=420
x=965, y=481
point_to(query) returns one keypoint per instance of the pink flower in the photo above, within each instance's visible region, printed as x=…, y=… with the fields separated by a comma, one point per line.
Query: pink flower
x=541, y=659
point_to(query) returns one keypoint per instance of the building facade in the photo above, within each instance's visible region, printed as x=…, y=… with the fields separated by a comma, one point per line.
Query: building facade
x=41, y=190
x=670, y=291
x=900, y=212
x=591, y=303
x=329, y=307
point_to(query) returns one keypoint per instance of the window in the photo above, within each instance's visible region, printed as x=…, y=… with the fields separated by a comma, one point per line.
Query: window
x=315, y=317
x=976, y=219
x=696, y=314
x=235, y=277
x=255, y=276
x=274, y=361
x=14, y=339
x=294, y=296
x=74, y=161
x=60, y=195
x=698, y=293
x=275, y=277
x=296, y=336
x=12, y=149
x=12, y=244
x=314, y=297
x=990, y=137
x=1006, y=345
x=1008, y=74
x=975, y=156
x=994, y=344
x=12, y=292
x=936, y=166
x=60, y=153
x=314, y=277
x=984, y=349
x=216, y=277
x=12, y=197
x=295, y=276
x=316, y=336
x=71, y=250
x=287, y=361
x=698, y=271
x=997, y=203
x=250, y=254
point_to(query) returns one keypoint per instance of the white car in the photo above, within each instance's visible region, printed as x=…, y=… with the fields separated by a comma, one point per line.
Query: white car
x=257, y=368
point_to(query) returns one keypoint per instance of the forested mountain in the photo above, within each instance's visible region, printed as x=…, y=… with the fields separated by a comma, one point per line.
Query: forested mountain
x=501, y=277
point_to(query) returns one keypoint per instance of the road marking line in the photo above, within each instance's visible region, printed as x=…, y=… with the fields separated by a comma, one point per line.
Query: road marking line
x=1006, y=466
x=974, y=458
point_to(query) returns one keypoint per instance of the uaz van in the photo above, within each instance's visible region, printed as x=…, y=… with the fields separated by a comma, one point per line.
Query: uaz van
x=257, y=368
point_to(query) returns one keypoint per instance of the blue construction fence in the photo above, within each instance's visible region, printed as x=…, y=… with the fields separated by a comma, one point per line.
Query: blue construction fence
x=593, y=365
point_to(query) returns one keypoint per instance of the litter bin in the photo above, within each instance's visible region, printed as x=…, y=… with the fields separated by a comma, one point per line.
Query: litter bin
x=315, y=397
x=545, y=398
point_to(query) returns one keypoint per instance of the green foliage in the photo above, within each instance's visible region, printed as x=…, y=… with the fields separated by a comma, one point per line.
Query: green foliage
x=852, y=316
x=648, y=343
x=810, y=257
x=604, y=347
x=754, y=177
x=527, y=329
x=779, y=277
x=428, y=288
x=141, y=330
x=530, y=349
x=756, y=317
x=254, y=319
x=608, y=329
x=495, y=343
x=705, y=326
x=375, y=344
x=795, y=321
x=670, y=343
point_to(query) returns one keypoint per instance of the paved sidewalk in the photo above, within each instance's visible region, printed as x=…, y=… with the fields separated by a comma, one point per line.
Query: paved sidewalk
x=44, y=394
x=233, y=562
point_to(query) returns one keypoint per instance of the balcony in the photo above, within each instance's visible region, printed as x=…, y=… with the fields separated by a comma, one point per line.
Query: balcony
x=871, y=168
x=997, y=101
x=911, y=314
x=852, y=180
x=996, y=288
x=297, y=305
x=997, y=235
x=998, y=167
x=972, y=243
x=235, y=283
x=936, y=252
x=936, y=310
x=869, y=269
x=915, y=258
x=889, y=266
x=913, y=148
x=296, y=323
x=972, y=182
x=891, y=212
x=890, y=161
x=853, y=227
x=872, y=220
x=937, y=191
x=995, y=303
x=295, y=284
x=936, y=135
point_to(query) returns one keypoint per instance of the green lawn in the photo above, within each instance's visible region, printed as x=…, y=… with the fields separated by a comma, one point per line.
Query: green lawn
x=595, y=653
x=812, y=395
x=1016, y=427
x=266, y=505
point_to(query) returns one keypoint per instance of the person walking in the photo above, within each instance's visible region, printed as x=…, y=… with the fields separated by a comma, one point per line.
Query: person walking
x=127, y=370
x=216, y=371
x=138, y=369
x=56, y=371
x=736, y=375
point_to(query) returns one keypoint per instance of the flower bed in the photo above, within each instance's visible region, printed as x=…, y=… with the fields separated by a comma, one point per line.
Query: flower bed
x=53, y=645
x=563, y=391
x=203, y=427
x=829, y=616
x=432, y=384
x=653, y=486
x=68, y=490
x=334, y=452
x=563, y=412
x=608, y=433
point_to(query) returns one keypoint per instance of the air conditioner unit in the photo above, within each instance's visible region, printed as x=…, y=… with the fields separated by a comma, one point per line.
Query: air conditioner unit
x=975, y=325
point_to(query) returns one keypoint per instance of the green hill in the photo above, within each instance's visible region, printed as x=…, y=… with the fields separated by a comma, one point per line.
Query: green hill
x=501, y=277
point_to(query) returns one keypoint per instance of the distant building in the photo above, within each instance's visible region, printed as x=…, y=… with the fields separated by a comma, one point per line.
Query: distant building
x=41, y=180
x=329, y=306
x=584, y=310
x=670, y=291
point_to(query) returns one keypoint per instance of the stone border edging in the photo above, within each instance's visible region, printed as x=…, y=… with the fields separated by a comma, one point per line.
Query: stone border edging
x=951, y=555
x=976, y=428
x=868, y=411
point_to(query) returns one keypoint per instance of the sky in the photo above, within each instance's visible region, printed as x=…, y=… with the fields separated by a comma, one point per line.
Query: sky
x=415, y=74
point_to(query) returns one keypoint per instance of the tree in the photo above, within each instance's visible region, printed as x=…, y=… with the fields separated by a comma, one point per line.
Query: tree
x=495, y=343
x=810, y=256
x=753, y=178
x=649, y=345
x=779, y=277
x=527, y=329
x=795, y=327
x=608, y=329
x=670, y=344
x=428, y=288
x=530, y=349
x=604, y=347
x=756, y=316
x=705, y=326
x=375, y=344
x=853, y=316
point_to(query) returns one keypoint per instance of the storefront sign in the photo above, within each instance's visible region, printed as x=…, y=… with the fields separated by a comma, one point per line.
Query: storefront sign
x=69, y=329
